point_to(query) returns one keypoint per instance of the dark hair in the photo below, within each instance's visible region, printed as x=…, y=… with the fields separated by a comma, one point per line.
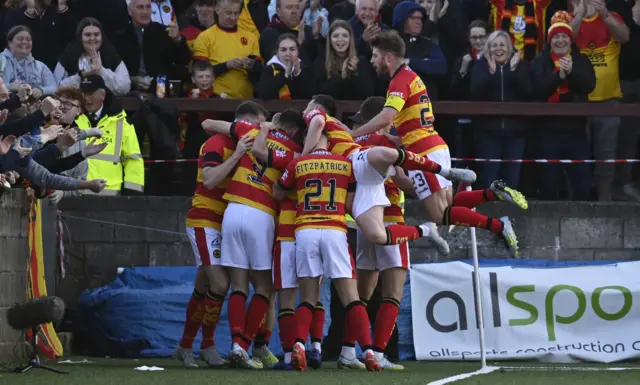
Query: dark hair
x=479, y=23
x=16, y=30
x=201, y=65
x=88, y=22
x=209, y=3
x=391, y=42
x=327, y=102
x=250, y=108
x=371, y=107
x=291, y=120
x=285, y=36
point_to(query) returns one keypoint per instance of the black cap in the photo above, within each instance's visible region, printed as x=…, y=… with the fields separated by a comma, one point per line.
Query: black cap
x=92, y=83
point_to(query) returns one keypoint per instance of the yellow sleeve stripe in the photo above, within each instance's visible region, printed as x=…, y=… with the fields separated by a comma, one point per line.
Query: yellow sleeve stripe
x=395, y=102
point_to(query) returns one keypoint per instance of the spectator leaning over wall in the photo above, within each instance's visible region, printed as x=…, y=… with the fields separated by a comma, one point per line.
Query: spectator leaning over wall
x=234, y=52
x=561, y=74
x=599, y=35
x=120, y=163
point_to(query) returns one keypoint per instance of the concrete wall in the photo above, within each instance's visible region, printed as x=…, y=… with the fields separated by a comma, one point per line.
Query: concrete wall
x=98, y=241
x=14, y=253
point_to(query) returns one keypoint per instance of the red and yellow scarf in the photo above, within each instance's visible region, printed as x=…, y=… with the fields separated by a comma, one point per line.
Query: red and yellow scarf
x=564, y=86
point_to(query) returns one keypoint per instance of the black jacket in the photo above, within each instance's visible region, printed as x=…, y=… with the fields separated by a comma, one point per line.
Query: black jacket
x=162, y=56
x=546, y=82
x=502, y=86
x=459, y=86
x=359, y=86
x=273, y=79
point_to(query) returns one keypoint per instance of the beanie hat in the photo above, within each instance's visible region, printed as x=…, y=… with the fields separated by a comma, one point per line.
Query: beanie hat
x=560, y=24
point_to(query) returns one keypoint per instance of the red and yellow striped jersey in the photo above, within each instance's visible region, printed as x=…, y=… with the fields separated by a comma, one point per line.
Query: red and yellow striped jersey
x=285, y=231
x=207, y=206
x=252, y=181
x=407, y=94
x=340, y=142
x=321, y=181
x=393, y=213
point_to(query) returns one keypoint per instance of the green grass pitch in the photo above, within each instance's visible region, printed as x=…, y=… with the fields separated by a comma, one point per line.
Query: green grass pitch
x=120, y=372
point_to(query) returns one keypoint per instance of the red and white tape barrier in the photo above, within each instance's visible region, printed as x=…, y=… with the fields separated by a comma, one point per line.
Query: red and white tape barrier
x=479, y=160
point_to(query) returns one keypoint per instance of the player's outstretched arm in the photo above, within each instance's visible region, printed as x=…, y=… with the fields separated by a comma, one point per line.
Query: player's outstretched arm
x=381, y=121
x=260, y=149
x=213, y=176
x=316, y=125
x=213, y=127
x=403, y=181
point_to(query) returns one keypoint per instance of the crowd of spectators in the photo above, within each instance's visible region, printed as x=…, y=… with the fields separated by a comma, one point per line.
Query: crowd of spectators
x=556, y=51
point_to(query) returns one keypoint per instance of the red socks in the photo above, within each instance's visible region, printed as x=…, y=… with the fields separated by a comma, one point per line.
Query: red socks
x=195, y=312
x=385, y=323
x=412, y=161
x=212, y=308
x=287, y=326
x=462, y=216
x=357, y=324
x=397, y=234
x=255, y=318
x=317, y=323
x=304, y=318
x=237, y=310
x=473, y=198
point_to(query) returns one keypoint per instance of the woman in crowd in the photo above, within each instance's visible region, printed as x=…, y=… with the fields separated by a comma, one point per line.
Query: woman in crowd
x=500, y=76
x=561, y=74
x=90, y=54
x=285, y=76
x=22, y=68
x=340, y=72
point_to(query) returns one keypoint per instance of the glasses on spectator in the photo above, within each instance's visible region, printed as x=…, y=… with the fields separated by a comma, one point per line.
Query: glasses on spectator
x=67, y=105
x=478, y=37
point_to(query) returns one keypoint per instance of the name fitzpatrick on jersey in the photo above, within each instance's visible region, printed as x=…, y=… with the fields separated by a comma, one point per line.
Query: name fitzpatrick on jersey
x=322, y=166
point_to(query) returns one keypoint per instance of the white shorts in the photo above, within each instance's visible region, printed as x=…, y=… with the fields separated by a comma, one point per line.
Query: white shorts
x=323, y=252
x=364, y=172
x=368, y=196
x=371, y=256
x=206, y=244
x=247, y=238
x=428, y=183
x=284, y=265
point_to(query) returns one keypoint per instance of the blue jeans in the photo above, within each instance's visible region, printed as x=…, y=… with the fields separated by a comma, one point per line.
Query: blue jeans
x=551, y=145
x=501, y=144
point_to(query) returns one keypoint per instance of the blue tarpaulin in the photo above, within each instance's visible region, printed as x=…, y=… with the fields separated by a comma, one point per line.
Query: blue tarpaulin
x=142, y=312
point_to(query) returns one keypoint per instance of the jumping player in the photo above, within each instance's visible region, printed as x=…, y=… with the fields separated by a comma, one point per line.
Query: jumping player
x=408, y=107
x=248, y=230
x=371, y=168
x=324, y=185
x=218, y=159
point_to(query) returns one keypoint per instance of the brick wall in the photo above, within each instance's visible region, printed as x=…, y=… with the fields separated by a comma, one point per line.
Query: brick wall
x=95, y=250
x=14, y=253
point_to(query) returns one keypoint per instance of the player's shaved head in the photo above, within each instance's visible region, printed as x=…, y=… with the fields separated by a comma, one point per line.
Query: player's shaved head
x=389, y=42
x=327, y=103
x=252, y=111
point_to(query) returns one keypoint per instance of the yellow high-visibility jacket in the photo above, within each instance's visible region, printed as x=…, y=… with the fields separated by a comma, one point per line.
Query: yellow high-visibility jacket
x=120, y=163
x=351, y=223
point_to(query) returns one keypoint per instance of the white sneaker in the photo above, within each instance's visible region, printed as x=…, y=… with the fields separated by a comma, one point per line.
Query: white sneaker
x=430, y=231
x=350, y=363
x=241, y=358
x=509, y=236
x=185, y=356
x=388, y=365
x=211, y=356
x=463, y=175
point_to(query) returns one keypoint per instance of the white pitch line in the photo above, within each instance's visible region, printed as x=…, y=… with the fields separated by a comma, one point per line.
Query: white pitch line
x=564, y=369
x=458, y=377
